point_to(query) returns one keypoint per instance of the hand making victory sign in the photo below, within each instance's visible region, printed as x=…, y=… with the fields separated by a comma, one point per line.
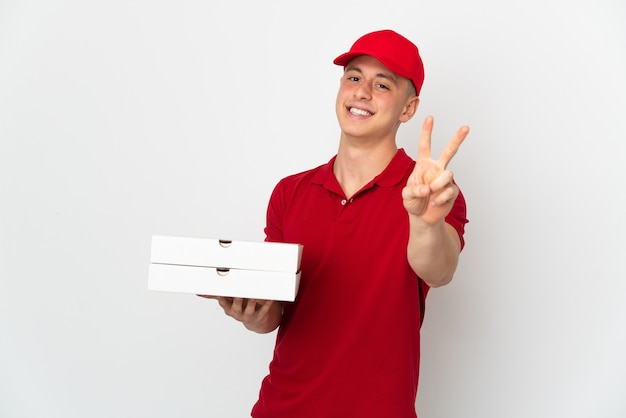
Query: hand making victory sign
x=430, y=191
x=428, y=197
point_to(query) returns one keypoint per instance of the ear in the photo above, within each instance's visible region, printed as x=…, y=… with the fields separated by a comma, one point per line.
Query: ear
x=409, y=109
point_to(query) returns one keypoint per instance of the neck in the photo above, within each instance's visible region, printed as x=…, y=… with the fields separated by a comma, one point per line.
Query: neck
x=355, y=166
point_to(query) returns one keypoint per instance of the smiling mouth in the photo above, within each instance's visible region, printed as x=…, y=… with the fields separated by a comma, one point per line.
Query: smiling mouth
x=359, y=112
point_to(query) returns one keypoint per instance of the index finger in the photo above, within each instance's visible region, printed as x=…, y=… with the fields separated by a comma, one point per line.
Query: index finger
x=453, y=146
x=423, y=147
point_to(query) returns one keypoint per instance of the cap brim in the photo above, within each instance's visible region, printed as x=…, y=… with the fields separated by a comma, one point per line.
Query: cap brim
x=344, y=59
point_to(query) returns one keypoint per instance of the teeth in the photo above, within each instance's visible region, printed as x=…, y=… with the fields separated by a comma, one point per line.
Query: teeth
x=359, y=112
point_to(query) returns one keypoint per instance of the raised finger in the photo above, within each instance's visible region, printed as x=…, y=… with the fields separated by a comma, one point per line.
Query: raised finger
x=423, y=147
x=453, y=146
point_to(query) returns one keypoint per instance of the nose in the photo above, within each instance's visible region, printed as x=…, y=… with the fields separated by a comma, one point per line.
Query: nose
x=363, y=92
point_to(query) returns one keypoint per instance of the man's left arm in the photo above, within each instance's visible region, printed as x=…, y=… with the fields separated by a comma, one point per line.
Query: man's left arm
x=429, y=195
x=433, y=251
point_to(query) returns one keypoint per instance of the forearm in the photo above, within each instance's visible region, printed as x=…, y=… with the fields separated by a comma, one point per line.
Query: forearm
x=433, y=251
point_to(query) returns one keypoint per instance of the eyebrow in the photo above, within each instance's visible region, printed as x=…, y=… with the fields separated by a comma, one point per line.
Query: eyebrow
x=388, y=76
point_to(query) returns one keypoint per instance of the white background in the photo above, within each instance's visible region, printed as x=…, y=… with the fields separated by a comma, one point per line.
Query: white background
x=127, y=118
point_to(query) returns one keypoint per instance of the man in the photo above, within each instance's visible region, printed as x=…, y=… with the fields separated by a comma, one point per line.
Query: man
x=378, y=230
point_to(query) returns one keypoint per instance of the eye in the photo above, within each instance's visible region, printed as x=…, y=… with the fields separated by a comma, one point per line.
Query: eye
x=353, y=78
x=382, y=86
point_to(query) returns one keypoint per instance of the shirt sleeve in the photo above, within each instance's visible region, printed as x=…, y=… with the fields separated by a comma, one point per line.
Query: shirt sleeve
x=457, y=217
x=274, y=215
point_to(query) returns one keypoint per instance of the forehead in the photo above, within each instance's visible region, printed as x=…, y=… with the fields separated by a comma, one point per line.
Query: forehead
x=366, y=62
x=370, y=66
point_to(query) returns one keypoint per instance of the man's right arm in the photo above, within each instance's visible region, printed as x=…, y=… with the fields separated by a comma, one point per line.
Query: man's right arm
x=261, y=316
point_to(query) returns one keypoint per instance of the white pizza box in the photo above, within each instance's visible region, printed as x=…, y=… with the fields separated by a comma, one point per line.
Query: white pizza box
x=211, y=252
x=250, y=284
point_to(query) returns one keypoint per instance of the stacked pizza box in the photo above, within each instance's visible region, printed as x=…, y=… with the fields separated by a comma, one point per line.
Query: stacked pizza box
x=219, y=267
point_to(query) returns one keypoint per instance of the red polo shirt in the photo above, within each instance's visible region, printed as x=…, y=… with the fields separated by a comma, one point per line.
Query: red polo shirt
x=349, y=345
